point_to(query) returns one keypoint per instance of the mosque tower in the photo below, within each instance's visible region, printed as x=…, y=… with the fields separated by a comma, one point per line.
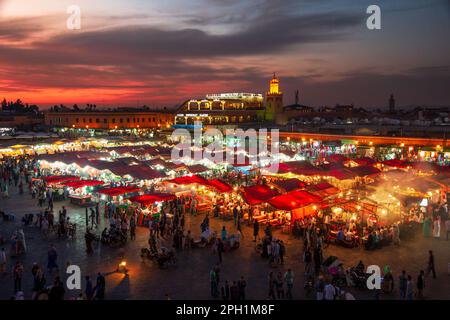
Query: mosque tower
x=274, y=100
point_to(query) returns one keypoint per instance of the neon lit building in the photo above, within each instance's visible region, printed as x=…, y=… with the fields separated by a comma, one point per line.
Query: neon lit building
x=220, y=109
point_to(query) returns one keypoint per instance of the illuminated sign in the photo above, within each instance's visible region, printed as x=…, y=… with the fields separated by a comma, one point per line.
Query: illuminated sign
x=192, y=115
x=234, y=95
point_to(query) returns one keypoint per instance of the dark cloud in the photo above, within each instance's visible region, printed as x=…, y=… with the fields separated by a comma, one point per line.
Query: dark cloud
x=18, y=29
x=417, y=86
x=270, y=35
x=167, y=66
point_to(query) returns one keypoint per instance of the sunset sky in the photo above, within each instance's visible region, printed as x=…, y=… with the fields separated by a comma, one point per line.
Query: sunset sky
x=161, y=53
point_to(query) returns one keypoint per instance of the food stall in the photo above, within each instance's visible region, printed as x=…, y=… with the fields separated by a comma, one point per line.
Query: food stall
x=79, y=193
x=150, y=205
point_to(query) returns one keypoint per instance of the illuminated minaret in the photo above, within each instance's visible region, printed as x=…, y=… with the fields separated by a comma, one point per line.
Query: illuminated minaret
x=274, y=100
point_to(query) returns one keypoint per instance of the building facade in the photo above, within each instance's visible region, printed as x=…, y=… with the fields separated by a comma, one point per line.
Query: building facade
x=220, y=109
x=20, y=120
x=109, y=119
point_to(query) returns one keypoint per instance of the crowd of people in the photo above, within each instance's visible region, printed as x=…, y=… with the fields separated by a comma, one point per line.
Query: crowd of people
x=170, y=230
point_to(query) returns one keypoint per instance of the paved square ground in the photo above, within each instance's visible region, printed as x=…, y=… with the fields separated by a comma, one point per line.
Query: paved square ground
x=190, y=278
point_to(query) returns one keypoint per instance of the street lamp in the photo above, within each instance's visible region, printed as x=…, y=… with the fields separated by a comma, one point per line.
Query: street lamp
x=122, y=267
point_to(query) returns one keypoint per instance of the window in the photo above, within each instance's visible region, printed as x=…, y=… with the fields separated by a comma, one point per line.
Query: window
x=154, y=119
x=121, y=120
x=137, y=120
x=84, y=120
x=134, y=120
x=97, y=120
x=67, y=120
x=143, y=119
x=105, y=120
x=128, y=120
x=113, y=120
x=90, y=120
x=77, y=120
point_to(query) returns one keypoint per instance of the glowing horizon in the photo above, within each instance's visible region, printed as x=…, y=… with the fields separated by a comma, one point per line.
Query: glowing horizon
x=161, y=53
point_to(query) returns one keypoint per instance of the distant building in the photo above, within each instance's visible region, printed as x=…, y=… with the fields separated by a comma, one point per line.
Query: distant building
x=220, y=109
x=344, y=108
x=109, y=119
x=391, y=104
x=20, y=120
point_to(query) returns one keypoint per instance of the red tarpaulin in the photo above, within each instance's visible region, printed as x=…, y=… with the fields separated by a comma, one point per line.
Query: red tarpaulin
x=139, y=171
x=293, y=200
x=362, y=171
x=321, y=186
x=297, y=167
x=336, y=158
x=57, y=179
x=82, y=183
x=323, y=189
x=340, y=174
x=220, y=185
x=190, y=180
x=364, y=161
x=289, y=184
x=117, y=191
x=148, y=199
x=143, y=172
x=258, y=194
x=197, y=168
x=396, y=163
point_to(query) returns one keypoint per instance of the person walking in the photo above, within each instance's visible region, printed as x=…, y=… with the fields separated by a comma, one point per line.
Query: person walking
x=225, y=290
x=447, y=228
x=430, y=267
x=100, y=286
x=89, y=290
x=132, y=228
x=93, y=220
x=3, y=261
x=39, y=283
x=318, y=259
x=307, y=259
x=97, y=215
x=89, y=238
x=238, y=227
x=213, y=282
x=235, y=215
x=234, y=291
x=223, y=233
x=289, y=278
x=282, y=251
x=220, y=249
x=52, y=257
x=279, y=284
x=437, y=227
x=242, y=284
x=402, y=283
x=17, y=276
x=420, y=284
x=57, y=290
x=271, y=286
x=409, y=288
x=320, y=287
x=329, y=292
x=256, y=230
